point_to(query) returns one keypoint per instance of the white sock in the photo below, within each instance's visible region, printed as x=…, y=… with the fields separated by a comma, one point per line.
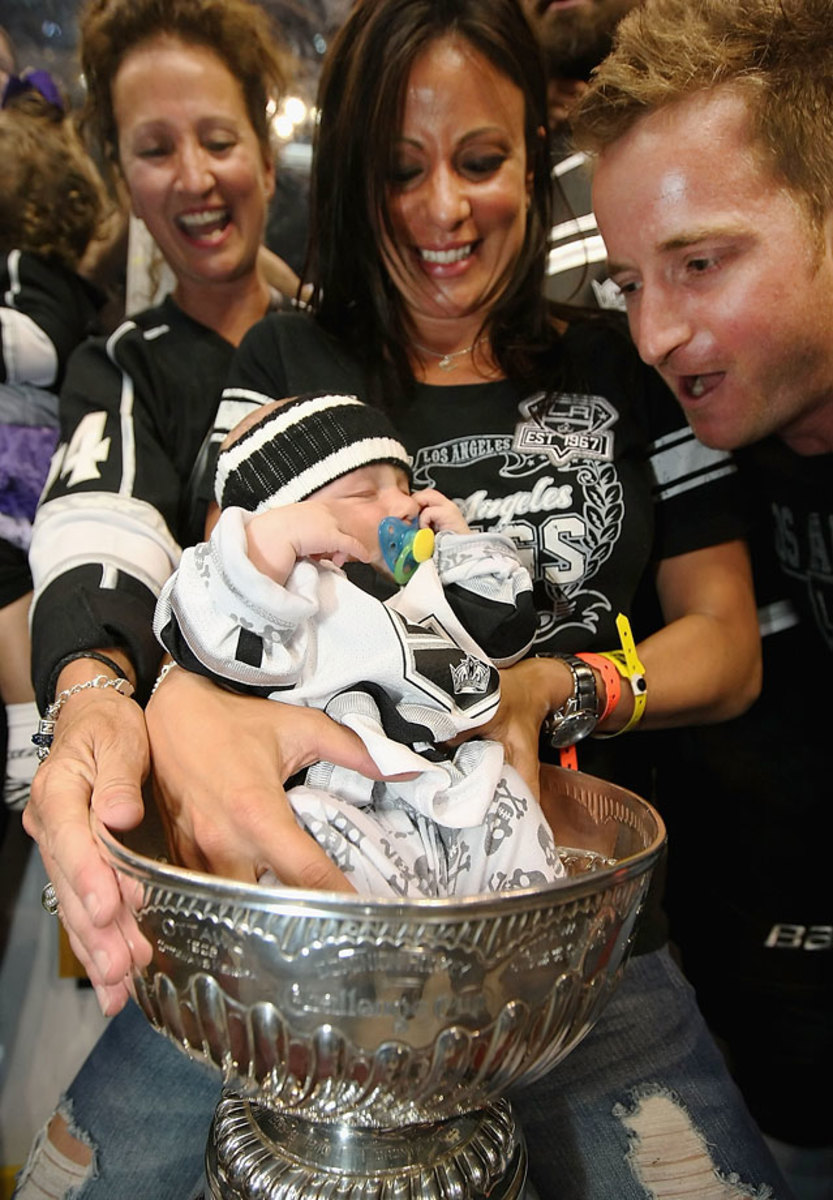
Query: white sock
x=21, y=755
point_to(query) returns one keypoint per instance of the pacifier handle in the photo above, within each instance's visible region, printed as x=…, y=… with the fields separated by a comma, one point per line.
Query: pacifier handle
x=404, y=546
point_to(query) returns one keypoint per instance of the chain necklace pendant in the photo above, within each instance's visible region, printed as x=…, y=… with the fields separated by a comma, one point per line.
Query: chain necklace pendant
x=448, y=362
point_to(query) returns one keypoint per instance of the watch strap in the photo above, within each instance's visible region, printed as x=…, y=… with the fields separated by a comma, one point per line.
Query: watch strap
x=582, y=704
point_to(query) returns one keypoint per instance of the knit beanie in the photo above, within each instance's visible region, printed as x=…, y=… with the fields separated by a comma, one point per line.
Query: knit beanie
x=299, y=447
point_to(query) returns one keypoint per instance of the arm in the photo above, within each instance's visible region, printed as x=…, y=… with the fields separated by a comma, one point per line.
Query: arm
x=489, y=591
x=235, y=612
x=703, y=666
x=98, y=759
x=277, y=273
x=27, y=353
x=134, y=411
x=100, y=547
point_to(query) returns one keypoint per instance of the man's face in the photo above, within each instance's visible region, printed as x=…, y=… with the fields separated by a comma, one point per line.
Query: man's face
x=729, y=292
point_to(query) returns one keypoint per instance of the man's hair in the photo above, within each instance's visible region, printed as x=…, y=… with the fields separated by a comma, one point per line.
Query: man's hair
x=239, y=32
x=776, y=54
x=361, y=103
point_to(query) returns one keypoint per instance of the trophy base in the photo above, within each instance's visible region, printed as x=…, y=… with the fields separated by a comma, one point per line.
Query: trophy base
x=255, y=1151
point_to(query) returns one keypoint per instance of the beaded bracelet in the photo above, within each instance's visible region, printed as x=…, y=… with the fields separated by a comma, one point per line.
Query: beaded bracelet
x=46, y=725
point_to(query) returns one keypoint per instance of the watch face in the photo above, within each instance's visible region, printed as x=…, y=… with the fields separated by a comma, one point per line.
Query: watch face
x=582, y=724
x=572, y=728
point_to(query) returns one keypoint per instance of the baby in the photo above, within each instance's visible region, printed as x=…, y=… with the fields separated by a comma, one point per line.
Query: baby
x=264, y=607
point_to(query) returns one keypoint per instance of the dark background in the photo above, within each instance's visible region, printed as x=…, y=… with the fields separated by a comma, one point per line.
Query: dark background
x=45, y=34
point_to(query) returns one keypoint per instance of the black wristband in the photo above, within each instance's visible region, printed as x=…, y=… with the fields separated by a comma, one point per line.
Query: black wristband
x=76, y=654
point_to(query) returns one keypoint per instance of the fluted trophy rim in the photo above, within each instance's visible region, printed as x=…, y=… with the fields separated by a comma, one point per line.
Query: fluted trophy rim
x=311, y=902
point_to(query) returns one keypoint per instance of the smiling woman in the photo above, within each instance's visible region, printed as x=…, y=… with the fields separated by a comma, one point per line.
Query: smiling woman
x=195, y=170
x=459, y=194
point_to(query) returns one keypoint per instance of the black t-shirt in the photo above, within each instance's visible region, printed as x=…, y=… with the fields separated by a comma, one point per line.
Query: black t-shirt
x=756, y=790
x=597, y=479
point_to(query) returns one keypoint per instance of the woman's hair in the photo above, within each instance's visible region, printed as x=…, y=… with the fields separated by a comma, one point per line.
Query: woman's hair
x=239, y=32
x=51, y=196
x=361, y=103
x=776, y=54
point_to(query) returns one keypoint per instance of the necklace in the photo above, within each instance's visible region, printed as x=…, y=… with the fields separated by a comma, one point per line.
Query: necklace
x=447, y=362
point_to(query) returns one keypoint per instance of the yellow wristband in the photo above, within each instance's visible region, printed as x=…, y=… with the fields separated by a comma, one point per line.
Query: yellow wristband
x=629, y=667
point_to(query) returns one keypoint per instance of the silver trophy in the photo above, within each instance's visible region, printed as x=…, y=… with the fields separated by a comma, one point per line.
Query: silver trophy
x=366, y=1045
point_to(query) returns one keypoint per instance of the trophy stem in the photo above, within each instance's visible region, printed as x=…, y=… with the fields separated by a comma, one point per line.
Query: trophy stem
x=257, y=1151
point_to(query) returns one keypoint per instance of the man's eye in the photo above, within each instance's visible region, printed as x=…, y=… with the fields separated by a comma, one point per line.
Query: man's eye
x=699, y=265
x=629, y=288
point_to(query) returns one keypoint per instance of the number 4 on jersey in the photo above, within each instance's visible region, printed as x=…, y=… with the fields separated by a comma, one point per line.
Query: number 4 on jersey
x=86, y=451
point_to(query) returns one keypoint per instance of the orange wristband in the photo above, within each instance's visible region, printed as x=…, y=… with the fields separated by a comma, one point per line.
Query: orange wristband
x=611, y=679
x=567, y=757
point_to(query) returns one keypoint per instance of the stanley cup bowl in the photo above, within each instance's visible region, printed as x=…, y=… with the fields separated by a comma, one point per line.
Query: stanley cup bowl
x=348, y=1013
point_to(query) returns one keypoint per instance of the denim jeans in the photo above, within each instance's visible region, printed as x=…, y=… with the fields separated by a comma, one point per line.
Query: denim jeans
x=642, y=1109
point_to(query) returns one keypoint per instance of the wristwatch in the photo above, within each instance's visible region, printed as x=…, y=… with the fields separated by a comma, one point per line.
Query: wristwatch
x=579, y=716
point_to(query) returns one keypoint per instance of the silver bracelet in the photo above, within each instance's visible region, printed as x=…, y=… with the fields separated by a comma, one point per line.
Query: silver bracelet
x=46, y=725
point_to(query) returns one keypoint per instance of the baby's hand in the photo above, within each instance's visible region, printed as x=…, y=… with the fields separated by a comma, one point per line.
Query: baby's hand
x=438, y=512
x=280, y=536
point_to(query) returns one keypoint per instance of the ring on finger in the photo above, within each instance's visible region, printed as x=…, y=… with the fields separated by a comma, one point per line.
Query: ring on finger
x=49, y=899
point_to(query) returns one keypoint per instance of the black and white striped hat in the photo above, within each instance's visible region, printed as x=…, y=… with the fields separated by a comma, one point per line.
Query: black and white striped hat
x=301, y=446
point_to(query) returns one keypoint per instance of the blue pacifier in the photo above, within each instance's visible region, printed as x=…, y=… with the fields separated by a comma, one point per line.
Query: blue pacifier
x=404, y=546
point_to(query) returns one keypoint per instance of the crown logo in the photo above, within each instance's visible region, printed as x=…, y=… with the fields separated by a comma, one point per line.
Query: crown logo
x=470, y=677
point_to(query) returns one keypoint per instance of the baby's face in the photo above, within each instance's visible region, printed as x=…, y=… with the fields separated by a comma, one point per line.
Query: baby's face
x=363, y=498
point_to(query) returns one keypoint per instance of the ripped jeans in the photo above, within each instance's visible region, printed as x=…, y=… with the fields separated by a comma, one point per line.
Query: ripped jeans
x=642, y=1109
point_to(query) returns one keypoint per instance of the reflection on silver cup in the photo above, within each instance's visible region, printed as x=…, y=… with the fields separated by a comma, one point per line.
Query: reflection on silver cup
x=366, y=1044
